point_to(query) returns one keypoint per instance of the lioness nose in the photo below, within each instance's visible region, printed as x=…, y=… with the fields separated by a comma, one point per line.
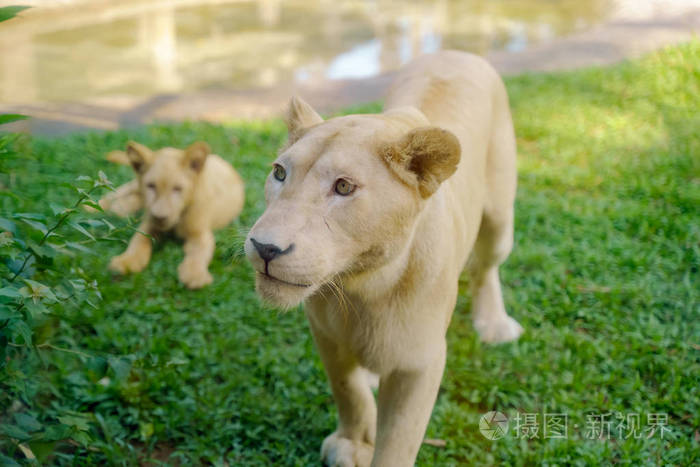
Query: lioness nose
x=268, y=251
x=159, y=219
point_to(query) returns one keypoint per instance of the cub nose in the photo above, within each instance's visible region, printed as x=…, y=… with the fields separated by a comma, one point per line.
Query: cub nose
x=159, y=219
x=268, y=251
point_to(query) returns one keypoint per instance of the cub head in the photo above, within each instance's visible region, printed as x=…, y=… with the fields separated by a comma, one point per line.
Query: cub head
x=167, y=178
x=343, y=198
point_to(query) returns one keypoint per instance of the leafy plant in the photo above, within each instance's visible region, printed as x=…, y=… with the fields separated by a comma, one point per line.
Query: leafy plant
x=34, y=292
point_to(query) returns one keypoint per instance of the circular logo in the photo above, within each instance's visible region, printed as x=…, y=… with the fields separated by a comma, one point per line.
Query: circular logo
x=493, y=425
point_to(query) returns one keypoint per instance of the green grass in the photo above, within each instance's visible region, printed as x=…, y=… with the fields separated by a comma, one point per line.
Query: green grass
x=604, y=278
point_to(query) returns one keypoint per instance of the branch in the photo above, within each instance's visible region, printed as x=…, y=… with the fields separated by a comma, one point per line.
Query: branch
x=53, y=229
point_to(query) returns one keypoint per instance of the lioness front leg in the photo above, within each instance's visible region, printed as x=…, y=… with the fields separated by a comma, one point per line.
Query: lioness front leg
x=194, y=269
x=352, y=443
x=137, y=254
x=405, y=402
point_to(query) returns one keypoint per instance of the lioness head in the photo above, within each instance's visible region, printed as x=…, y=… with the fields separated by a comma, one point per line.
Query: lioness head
x=343, y=197
x=167, y=178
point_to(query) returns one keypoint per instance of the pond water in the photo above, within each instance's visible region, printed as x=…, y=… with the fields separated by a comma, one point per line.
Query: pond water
x=74, y=50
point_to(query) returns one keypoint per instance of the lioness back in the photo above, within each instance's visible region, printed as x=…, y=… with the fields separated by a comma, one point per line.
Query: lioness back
x=462, y=93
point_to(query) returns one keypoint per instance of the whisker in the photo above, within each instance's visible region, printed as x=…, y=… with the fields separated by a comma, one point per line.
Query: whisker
x=339, y=297
x=345, y=302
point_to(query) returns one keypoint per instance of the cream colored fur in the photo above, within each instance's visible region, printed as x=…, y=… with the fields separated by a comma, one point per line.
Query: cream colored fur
x=378, y=267
x=190, y=192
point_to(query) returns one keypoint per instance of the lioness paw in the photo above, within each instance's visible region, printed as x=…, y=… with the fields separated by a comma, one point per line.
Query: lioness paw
x=497, y=330
x=193, y=277
x=343, y=452
x=124, y=263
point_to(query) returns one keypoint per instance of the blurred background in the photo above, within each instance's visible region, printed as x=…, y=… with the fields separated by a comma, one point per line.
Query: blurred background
x=104, y=64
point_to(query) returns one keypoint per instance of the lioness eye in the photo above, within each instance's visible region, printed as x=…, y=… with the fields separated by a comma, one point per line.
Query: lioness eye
x=279, y=172
x=343, y=187
x=151, y=186
x=177, y=188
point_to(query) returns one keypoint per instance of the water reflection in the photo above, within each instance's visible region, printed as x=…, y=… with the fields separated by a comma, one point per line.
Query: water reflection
x=79, y=50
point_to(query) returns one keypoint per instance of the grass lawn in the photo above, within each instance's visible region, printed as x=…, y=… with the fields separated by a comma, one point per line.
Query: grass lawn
x=604, y=278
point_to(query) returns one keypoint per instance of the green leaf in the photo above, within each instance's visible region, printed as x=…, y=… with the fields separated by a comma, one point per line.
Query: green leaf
x=121, y=367
x=8, y=118
x=9, y=292
x=47, y=250
x=8, y=225
x=10, y=12
x=36, y=309
x=30, y=215
x=27, y=422
x=68, y=185
x=77, y=284
x=79, y=247
x=81, y=229
x=57, y=432
x=9, y=313
x=82, y=437
x=109, y=225
x=14, y=431
x=81, y=423
x=95, y=223
x=40, y=226
x=21, y=328
x=92, y=204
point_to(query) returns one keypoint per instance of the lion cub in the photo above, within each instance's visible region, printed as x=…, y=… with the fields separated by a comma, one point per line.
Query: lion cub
x=189, y=193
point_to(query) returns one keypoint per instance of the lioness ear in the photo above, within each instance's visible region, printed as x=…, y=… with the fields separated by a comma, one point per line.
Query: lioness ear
x=299, y=117
x=140, y=157
x=196, y=154
x=424, y=158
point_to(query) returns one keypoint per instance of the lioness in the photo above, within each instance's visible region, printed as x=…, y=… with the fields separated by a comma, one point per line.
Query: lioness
x=188, y=192
x=370, y=221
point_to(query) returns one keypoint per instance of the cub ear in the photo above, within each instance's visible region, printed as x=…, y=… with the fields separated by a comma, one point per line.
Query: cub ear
x=424, y=158
x=196, y=154
x=299, y=117
x=140, y=157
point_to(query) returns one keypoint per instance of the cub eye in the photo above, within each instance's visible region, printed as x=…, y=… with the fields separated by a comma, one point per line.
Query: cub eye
x=279, y=173
x=151, y=186
x=177, y=188
x=343, y=187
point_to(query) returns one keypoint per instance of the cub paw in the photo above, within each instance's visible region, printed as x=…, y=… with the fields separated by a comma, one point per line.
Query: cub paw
x=497, y=330
x=193, y=277
x=343, y=452
x=124, y=264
